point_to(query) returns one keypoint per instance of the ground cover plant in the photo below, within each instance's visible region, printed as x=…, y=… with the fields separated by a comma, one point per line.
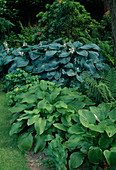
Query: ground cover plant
x=46, y=110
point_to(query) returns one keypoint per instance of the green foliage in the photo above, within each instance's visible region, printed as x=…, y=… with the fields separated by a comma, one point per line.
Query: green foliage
x=18, y=79
x=56, y=62
x=67, y=19
x=46, y=110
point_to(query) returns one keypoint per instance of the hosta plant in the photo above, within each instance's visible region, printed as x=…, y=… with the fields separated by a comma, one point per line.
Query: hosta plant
x=67, y=122
x=56, y=62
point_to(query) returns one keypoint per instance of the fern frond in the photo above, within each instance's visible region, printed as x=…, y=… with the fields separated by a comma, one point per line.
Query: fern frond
x=110, y=81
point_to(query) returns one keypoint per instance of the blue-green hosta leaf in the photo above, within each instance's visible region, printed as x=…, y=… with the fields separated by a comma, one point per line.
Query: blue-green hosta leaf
x=79, y=78
x=83, y=53
x=60, y=104
x=34, y=55
x=40, y=125
x=55, y=46
x=94, y=56
x=40, y=143
x=29, y=68
x=64, y=54
x=111, y=130
x=70, y=72
x=8, y=59
x=90, y=46
x=50, y=54
x=53, y=65
x=60, y=126
x=1, y=68
x=40, y=68
x=16, y=128
x=58, y=74
x=51, y=74
x=25, y=142
x=21, y=62
x=77, y=44
x=86, y=117
x=69, y=65
x=76, y=129
x=64, y=60
x=76, y=159
x=95, y=155
x=90, y=68
x=110, y=157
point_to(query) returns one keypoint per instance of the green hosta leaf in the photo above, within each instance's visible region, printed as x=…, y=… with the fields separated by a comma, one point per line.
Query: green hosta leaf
x=64, y=54
x=25, y=141
x=54, y=94
x=73, y=142
x=16, y=128
x=76, y=159
x=32, y=120
x=90, y=46
x=76, y=129
x=110, y=130
x=49, y=138
x=43, y=85
x=104, y=141
x=86, y=117
x=60, y=126
x=110, y=157
x=82, y=53
x=50, y=54
x=29, y=99
x=18, y=108
x=100, y=112
x=112, y=114
x=40, y=126
x=44, y=104
x=95, y=155
x=60, y=104
x=97, y=128
x=40, y=143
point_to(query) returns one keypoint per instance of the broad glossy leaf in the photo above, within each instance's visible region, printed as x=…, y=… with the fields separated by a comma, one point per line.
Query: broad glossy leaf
x=64, y=54
x=94, y=56
x=90, y=46
x=7, y=59
x=34, y=55
x=79, y=78
x=112, y=114
x=77, y=44
x=40, y=143
x=110, y=157
x=83, y=53
x=51, y=74
x=64, y=60
x=111, y=130
x=33, y=119
x=58, y=75
x=76, y=129
x=86, y=117
x=76, y=159
x=25, y=141
x=60, y=126
x=16, y=128
x=60, y=104
x=40, y=125
x=43, y=85
x=104, y=141
x=73, y=142
x=95, y=155
x=18, y=108
x=50, y=54
x=70, y=72
x=21, y=62
x=69, y=65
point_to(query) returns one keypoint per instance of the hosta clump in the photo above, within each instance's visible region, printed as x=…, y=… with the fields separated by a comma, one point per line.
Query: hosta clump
x=57, y=62
x=45, y=110
x=18, y=79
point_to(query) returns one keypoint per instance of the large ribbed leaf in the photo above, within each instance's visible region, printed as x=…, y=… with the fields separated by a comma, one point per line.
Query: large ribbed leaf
x=90, y=46
x=21, y=61
x=50, y=54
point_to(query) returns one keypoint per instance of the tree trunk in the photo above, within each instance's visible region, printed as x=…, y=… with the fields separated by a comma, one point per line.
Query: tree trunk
x=112, y=6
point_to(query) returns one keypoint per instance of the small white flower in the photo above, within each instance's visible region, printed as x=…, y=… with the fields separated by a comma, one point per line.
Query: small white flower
x=21, y=53
x=24, y=43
